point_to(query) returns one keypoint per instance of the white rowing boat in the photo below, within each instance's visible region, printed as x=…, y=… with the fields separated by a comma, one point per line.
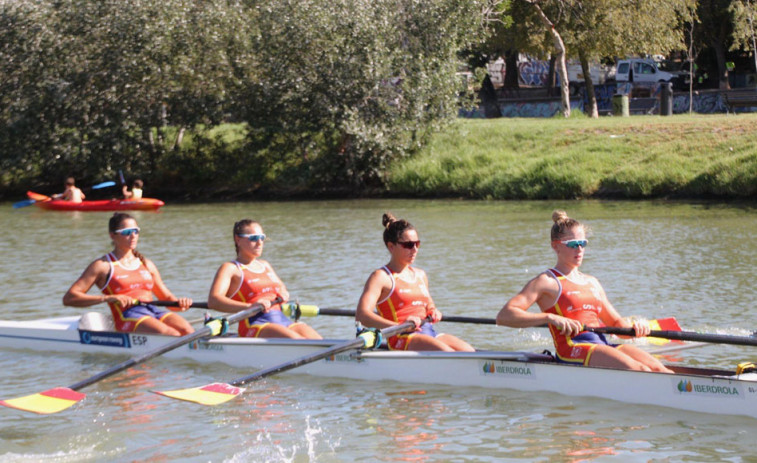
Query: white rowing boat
x=694, y=389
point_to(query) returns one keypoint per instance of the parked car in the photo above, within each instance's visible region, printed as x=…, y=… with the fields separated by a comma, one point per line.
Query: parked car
x=646, y=70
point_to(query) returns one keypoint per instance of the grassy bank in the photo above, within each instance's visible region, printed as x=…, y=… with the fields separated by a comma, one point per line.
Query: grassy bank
x=634, y=157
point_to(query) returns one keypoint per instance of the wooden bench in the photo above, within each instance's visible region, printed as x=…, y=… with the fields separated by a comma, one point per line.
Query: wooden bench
x=642, y=105
x=740, y=98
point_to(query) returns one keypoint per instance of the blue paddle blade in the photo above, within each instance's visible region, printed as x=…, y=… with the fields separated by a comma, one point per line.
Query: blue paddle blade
x=24, y=203
x=103, y=185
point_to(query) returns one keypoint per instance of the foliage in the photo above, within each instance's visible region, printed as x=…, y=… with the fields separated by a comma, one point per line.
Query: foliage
x=347, y=86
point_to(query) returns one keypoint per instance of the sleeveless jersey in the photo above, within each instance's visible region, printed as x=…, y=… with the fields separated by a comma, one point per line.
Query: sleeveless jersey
x=258, y=285
x=577, y=301
x=136, y=281
x=406, y=298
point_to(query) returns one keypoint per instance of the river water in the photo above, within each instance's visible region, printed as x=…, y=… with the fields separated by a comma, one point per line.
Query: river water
x=655, y=259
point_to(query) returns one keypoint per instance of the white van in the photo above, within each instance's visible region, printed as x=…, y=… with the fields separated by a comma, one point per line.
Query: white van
x=641, y=70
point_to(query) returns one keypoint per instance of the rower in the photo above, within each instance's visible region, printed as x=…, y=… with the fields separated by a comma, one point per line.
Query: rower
x=128, y=281
x=570, y=300
x=400, y=293
x=248, y=280
x=136, y=190
x=71, y=193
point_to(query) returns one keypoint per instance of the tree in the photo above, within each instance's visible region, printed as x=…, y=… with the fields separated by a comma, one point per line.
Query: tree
x=744, y=15
x=346, y=86
x=716, y=32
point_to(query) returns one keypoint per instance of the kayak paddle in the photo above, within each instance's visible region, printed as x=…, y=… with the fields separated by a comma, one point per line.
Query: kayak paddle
x=60, y=398
x=218, y=393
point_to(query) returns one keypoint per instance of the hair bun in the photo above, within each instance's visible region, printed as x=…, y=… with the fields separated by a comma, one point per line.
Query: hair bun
x=388, y=219
x=559, y=216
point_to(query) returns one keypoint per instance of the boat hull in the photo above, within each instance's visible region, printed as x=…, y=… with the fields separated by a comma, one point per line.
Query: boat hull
x=144, y=204
x=700, y=390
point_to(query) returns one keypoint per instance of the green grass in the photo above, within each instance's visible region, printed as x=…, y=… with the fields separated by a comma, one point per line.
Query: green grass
x=632, y=157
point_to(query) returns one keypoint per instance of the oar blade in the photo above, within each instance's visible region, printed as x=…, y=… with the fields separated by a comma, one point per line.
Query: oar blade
x=211, y=394
x=24, y=203
x=45, y=403
x=104, y=185
x=664, y=324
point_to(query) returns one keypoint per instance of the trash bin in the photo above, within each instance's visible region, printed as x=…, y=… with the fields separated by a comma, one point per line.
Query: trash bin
x=620, y=105
x=666, y=99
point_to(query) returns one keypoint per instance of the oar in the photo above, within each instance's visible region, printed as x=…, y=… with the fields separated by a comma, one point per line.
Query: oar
x=218, y=393
x=681, y=335
x=29, y=202
x=312, y=311
x=60, y=398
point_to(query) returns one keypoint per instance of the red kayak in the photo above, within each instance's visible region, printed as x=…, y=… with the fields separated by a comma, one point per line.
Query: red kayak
x=144, y=204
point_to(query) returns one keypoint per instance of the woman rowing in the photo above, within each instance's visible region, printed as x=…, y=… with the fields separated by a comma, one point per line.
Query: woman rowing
x=400, y=293
x=128, y=281
x=570, y=300
x=248, y=280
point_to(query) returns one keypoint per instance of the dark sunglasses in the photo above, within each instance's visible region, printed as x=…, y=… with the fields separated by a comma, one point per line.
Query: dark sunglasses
x=410, y=244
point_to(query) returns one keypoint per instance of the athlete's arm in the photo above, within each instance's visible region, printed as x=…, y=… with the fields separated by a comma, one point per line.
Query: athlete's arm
x=431, y=310
x=611, y=317
x=284, y=293
x=77, y=296
x=515, y=313
x=378, y=283
x=161, y=290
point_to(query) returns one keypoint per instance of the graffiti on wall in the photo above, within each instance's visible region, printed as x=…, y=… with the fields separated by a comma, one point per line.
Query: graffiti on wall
x=537, y=108
x=533, y=73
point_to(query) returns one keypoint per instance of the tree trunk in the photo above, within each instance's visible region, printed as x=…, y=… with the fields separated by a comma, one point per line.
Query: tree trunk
x=512, y=76
x=593, y=111
x=488, y=97
x=562, y=68
x=718, y=45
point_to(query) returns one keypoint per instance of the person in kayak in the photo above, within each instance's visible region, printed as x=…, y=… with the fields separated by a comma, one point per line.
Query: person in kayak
x=128, y=281
x=249, y=280
x=400, y=293
x=570, y=300
x=71, y=192
x=136, y=190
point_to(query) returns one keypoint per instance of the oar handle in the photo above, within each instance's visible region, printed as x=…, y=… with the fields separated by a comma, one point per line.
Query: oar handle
x=680, y=335
x=354, y=344
x=196, y=305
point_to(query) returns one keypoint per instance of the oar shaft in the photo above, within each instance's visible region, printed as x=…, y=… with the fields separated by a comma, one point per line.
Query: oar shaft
x=178, y=342
x=358, y=343
x=451, y=318
x=681, y=335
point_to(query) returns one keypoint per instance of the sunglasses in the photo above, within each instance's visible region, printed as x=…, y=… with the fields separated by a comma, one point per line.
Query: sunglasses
x=252, y=236
x=127, y=231
x=410, y=244
x=574, y=244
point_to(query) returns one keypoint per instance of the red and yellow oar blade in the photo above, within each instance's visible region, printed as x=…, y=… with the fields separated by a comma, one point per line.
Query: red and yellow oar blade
x=47, y=402
x=212, y=394
x=664, y=324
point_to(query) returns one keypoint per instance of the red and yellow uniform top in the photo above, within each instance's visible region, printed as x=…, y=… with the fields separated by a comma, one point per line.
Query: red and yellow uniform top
x=582, y=301
x=259, y=282
x=135, y=281
x=409, y=296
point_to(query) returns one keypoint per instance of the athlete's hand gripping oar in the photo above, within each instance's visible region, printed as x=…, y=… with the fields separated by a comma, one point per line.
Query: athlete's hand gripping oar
x=681, y=335
x=60, y=398
x=218, y=393
x=38, y=197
